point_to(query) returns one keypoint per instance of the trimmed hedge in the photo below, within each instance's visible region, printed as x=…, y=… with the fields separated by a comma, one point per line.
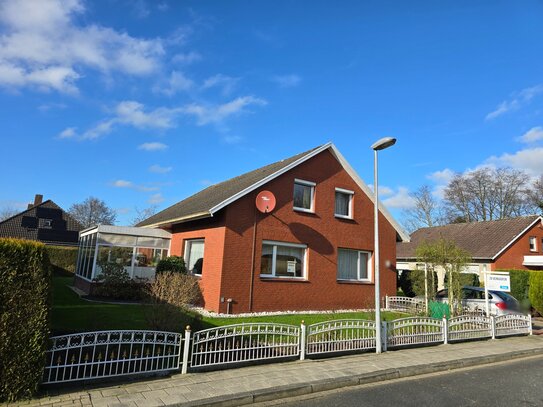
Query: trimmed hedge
x=25, y=282
x=63, y=259
x=536, y=290
x=175, y=264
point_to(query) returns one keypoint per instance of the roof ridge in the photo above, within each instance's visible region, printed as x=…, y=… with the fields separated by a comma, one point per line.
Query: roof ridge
x=26, y=210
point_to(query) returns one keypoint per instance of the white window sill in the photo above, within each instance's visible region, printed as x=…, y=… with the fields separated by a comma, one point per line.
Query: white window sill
x=281, y=278
x=343, y=216
x=346, y=280
x=303, y=210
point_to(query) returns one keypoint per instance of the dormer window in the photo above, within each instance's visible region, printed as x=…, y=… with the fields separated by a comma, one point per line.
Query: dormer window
x=344, y=203
x=304, y=194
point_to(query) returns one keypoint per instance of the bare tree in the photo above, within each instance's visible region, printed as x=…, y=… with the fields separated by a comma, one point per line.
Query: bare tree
x=535, y=196
x=143, y=214
x=426, y=212
x=487, y=194
x=93, y=211
x=8, y=212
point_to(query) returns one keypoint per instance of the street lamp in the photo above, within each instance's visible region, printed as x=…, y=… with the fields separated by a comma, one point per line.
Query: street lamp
x=377, y=146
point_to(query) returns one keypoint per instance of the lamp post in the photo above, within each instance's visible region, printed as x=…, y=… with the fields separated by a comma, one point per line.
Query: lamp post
x=377, y=146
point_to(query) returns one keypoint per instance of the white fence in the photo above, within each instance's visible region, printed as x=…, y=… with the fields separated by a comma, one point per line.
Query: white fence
x=405, y=304
x=340, y=336
x=94, y=355
x=244, y=343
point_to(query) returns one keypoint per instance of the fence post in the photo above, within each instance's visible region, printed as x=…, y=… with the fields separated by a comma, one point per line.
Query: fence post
x=186, y=349
x=445, y=330
x=384, y=335
x=493, y=325
x=530, y=322
x=386, y=302
x=302, y=340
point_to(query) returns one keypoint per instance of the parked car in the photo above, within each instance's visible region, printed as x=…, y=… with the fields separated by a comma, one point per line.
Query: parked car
x=473, y=300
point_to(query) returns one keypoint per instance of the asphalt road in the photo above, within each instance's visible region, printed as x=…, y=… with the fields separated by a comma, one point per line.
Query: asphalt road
x=508, y=384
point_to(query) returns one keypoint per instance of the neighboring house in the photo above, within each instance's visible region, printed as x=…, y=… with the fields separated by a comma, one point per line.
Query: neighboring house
x=313, y=251
x=493, y=245
x=42, y=221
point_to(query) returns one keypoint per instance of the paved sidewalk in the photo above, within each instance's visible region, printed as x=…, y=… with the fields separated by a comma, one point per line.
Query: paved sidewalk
x=234, y=387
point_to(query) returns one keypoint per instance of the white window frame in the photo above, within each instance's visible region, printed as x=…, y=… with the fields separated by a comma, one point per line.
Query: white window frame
x=275, y=243
x=533, y=241
x=369, y=266
x=186, y=257
x=351, y=196
x=312, y=186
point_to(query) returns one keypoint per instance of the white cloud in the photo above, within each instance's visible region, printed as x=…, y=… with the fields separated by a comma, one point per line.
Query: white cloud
x=532, y=135
x=157, y=169
x=68, y=133
x=529, y=160
x=186, y=58
x=177, y=82
x=152, y=146
x=516, y=101
x=226, y=83
x=216, y=114
x=287, y=81
x=121, y=183
x=401, y=200
x=441, y=177
x=44, y=46
x=155, y=199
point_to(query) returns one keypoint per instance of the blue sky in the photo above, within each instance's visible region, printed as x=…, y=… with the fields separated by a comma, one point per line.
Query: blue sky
x=143, y=103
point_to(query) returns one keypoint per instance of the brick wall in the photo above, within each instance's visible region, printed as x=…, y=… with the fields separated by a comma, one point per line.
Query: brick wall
x=513, y=257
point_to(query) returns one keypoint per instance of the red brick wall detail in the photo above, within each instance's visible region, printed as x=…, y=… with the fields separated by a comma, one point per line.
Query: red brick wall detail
x=513, y=257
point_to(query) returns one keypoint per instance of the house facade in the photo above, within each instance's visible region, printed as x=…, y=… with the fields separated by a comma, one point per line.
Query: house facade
x=45, y=222
x=312, y=251
x=493, y=245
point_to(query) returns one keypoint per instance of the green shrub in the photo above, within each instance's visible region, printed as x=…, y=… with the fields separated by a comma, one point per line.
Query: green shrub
x=412, y=283
x=63, y=259
x=468, y=279
x=115, y=283
x=174, y=264
x=25, y=282
x=535, y=292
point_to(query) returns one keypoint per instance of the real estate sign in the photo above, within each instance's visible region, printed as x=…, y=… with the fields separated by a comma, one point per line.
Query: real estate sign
x=498, y=282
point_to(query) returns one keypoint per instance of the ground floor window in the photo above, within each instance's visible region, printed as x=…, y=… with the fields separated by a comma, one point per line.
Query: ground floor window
x=285, y=260
x=353, y=265
x=194, y=256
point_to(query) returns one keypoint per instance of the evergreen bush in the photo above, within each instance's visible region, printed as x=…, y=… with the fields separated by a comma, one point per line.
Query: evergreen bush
x=63, y=259
x=25, y=286
x=175, y=264
x=535, y=292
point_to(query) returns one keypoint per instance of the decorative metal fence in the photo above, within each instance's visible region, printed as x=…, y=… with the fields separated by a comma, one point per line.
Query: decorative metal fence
x=93, y=355
x=414, y=331
x=405, y=304
x=243, y=343
x=340, y=336
x=513, y=324
x=466, y=327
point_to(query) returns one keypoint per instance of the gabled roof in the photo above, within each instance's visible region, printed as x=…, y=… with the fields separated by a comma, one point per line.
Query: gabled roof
x=212, y=199
x=483, y=240
x=26, y=225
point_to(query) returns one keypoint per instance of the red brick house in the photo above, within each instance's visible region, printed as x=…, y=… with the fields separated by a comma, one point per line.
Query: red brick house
x=313, y=251
x=493, y=245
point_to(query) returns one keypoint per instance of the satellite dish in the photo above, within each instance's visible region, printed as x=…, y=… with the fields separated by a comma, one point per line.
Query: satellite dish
x=265, y=201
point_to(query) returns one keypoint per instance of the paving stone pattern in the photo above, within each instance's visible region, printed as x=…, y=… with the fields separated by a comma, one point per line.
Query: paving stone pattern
x=246, y=385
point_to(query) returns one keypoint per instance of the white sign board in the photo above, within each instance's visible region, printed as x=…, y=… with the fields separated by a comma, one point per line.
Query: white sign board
x=291, y=267
x=498, y=282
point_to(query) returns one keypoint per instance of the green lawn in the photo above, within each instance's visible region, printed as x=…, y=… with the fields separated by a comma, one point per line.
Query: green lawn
x=72, y=314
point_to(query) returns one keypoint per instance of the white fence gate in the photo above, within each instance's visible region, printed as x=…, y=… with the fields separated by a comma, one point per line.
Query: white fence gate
x=340, y=336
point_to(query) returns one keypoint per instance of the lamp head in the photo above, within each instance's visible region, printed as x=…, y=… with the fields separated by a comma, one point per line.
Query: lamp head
x=385, y=142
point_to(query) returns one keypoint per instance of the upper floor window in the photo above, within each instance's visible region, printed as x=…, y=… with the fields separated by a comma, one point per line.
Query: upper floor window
x=304, y=194
x=281, y=259
x=533, y=244
x=353, y=265
x=194, y=256
x=344, y=203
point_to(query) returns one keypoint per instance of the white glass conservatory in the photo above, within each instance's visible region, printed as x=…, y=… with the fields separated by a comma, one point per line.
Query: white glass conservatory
x=137, y=249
